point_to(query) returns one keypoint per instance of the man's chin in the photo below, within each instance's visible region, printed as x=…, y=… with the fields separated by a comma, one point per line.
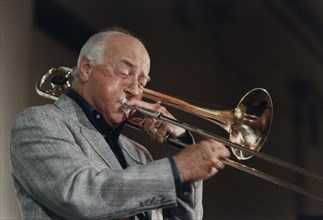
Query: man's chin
x=124, y=116
x=117, y=119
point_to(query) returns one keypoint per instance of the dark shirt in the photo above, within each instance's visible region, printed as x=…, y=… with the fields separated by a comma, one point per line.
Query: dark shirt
x=111, y=135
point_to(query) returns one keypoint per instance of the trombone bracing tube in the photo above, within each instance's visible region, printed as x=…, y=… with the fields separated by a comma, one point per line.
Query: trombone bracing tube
x=255, y=172
x=159, y=116
x=269, y=158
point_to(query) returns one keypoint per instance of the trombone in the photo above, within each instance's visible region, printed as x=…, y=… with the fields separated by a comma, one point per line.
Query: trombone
x=248, y=124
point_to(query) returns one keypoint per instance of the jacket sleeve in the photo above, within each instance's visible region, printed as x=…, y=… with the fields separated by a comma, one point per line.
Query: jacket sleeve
x=50, y=165
x=189, y=196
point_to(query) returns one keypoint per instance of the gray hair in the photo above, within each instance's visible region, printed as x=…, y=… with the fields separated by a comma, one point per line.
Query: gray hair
x=95, y=47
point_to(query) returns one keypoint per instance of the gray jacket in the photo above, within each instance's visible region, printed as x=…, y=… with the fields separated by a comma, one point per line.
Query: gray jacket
x=63, y=168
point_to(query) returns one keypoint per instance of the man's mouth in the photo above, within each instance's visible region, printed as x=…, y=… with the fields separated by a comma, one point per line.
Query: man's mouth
x=125, y=108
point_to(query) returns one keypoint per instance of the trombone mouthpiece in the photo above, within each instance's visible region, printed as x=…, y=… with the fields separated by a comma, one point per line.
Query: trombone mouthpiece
x=125, y=107
x=124, y=103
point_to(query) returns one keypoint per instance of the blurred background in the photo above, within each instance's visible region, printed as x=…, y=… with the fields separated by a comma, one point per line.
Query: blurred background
x=209, y=52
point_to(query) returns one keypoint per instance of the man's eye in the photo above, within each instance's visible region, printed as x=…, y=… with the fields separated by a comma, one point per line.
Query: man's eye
x=123, y=72
x=142, y=84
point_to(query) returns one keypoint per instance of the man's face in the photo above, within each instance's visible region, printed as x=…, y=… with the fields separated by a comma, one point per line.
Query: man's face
x=123, y=74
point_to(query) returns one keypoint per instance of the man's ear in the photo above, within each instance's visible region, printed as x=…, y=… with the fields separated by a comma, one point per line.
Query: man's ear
x=85, y=69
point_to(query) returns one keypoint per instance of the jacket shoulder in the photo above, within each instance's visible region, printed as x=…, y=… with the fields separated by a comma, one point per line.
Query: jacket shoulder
x=38, y=112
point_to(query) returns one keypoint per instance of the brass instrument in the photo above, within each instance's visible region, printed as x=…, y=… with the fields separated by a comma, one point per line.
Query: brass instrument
x=248, y=124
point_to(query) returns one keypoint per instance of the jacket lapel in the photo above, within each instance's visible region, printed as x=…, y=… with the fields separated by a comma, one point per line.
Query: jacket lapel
x=128, y=151
x=100, y=145
x=73, y=111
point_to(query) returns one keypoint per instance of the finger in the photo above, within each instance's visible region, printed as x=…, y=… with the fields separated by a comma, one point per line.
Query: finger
x=211, y=173
x=172, y=130
x=219, y=165
x=221, y=150
x=153, y=131
x=158, y=123
x=214, y=170
x=137, y=122
x=224, y=152
x=160, y=134
x=149, y=124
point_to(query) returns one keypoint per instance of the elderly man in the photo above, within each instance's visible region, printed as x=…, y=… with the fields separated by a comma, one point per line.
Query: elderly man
x=70, y=160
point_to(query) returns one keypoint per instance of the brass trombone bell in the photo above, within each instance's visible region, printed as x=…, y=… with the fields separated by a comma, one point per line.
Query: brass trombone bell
x=248, y=124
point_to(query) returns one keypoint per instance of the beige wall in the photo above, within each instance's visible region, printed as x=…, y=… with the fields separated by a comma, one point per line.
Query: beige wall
x=15, y=63
x=25, y=54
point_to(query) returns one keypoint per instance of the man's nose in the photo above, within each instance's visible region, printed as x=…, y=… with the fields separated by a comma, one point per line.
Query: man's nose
x=133, y=88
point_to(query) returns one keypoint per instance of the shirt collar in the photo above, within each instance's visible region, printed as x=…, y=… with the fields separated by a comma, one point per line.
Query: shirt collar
x=95, y=117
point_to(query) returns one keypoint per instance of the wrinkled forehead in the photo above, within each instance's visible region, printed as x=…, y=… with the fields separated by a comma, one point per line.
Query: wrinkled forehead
x=124, y=47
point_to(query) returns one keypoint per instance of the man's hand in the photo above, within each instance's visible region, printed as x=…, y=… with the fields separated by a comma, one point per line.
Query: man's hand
x=157, y=129
x=200, y=161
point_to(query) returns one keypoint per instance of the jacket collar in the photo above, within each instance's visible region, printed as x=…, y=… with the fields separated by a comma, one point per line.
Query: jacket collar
x=71, y=110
